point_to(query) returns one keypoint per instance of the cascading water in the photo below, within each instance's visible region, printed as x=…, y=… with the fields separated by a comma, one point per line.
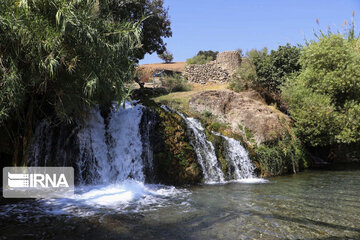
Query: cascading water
x=205, y=152
x=113, y=151
x=239, y=164
x=112, y=156
x=238, y=158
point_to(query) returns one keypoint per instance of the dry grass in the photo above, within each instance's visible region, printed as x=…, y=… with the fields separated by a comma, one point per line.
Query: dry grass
x=147, y=70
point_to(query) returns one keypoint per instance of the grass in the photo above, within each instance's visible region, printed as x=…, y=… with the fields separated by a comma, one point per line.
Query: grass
x=180, y=100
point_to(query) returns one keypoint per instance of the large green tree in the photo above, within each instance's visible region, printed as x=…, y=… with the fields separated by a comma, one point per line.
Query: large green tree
x=57, y=58
x=154, y=28
x=324, y=99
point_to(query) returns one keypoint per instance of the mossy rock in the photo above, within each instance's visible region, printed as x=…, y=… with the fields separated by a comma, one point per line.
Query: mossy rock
x=174, y=158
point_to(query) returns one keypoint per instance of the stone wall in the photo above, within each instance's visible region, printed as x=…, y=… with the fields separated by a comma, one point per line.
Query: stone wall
x=229, y=61
x=220, y=70
x=205, y=73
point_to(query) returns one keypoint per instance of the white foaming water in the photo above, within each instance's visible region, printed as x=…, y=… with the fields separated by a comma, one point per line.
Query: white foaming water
x=110, y=166
x=205, y=153
x=238, y=158
x=127, y=196
x=112, y=153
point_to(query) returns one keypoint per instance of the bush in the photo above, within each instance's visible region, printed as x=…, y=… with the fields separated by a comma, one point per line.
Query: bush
x=282, y=157
x=245, y=77
x=202, y=57
x=176, y=83
x=274, y=68
x=324, y=98
x=208, y=54
x=166, y=56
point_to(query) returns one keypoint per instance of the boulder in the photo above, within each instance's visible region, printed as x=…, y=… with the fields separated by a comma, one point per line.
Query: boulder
x=243, y=111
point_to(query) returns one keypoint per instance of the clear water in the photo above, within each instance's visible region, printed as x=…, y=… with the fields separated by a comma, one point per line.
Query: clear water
x=309, y=205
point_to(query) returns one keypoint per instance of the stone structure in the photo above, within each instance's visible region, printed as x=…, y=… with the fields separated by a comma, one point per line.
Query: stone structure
x=220, y=70
x=205, y=73
x=229, y=61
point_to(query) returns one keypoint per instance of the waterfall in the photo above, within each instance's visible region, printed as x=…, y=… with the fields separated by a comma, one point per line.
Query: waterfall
x=238, y=158
x=239, y=165
x=205, y=152
x=118, y=148
x=108, y=150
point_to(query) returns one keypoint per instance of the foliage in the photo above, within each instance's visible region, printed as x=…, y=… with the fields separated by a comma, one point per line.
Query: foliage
x=272, y=69
x=241, y=52
x=59, y=57
x=324, y=98
x=202, y=57
x=155, y=27
x=207, y=114
x=166, y=56
x=254, y=53
x=244, y=77
x=208, y=54
x=286, y=155
x=176, y=83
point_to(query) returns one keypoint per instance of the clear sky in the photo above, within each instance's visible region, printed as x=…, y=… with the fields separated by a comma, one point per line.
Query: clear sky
x=223, y=25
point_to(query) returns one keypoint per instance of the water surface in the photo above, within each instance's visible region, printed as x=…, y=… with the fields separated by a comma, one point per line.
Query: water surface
x=309, y=205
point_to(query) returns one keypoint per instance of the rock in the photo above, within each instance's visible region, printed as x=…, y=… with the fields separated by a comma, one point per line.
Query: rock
x=246, y=110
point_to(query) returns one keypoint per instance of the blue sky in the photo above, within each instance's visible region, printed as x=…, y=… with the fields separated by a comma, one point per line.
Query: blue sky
x=222, y=25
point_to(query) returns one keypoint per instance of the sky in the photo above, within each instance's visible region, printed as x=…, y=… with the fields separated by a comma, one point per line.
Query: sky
x=225, y=25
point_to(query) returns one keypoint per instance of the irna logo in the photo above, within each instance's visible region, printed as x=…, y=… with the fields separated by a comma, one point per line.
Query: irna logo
x=18, y=180
x=37, y=182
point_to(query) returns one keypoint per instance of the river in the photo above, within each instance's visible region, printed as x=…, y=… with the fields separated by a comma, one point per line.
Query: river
x=308, y=205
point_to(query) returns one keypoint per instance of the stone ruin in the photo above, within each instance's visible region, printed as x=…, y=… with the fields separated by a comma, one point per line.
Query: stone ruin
x=220, y=70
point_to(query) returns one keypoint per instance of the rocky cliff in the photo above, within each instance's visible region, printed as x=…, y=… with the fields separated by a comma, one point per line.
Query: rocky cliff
x=243, y=111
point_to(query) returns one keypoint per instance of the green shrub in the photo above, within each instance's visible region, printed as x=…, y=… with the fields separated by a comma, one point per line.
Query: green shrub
x=284, y=156
x=176, y=83
x=202, y=57
x=272, y=69
x=244, y=77
x=208, y=54
x=324, y=99
x=207, y=114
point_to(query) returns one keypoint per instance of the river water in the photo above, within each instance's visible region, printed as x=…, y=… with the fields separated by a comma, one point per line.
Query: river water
x=308, y=205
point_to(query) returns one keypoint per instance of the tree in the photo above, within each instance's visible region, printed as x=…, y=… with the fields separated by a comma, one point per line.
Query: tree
x=202, y=57
x=209, y=54
x=272, y=69
x=154, y=28
x=59, y=58
x=324, y=99
x=166, y=56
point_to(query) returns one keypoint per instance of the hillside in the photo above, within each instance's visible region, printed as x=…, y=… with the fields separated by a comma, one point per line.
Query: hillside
x=148, y=69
